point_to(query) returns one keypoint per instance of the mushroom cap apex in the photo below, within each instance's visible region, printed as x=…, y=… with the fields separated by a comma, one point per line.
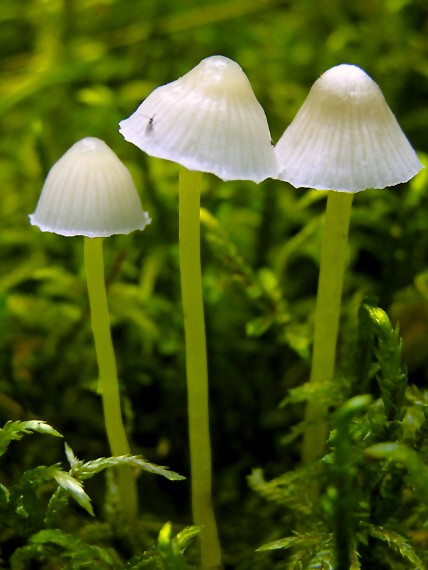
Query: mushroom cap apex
x=347, y=84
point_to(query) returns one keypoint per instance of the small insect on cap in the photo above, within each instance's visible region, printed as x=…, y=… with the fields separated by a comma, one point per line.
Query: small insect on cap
x=209, y=120
x=345, y=137
x=89, y=192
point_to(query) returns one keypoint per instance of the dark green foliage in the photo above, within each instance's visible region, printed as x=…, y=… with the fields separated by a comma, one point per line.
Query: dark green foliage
x=372, y=474
x=341, y=494
x=83, y=471
x=288, y=489
x=28, y=515
x=16, y=430
x=56, y=544
x=396, y=541
x=75, y=553
x=170, y=550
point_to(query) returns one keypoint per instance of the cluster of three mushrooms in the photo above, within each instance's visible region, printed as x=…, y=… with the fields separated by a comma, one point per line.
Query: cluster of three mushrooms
x=344, y=138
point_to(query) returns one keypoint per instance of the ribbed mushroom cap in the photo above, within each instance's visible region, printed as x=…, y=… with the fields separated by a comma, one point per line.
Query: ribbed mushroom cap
x=345, y=137
x=208, y=120
x=89, y=192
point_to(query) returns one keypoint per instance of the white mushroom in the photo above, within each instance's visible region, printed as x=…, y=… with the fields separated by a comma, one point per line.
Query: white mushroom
x=345, y=137
x=89, y=192
x=209, y=120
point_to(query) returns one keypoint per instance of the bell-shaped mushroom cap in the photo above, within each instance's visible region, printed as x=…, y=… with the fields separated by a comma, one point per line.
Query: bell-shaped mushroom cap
x=345, y=137
x=208, y=120
x=89, y=192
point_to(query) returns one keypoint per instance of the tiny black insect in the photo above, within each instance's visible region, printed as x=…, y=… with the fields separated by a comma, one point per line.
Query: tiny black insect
x=149, y=127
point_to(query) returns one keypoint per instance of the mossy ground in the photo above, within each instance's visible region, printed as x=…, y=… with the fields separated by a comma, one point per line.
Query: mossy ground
x=73, y=68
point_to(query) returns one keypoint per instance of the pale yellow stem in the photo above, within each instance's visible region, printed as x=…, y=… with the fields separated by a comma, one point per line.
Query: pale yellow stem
x=108, y=382
x=196, y=366
x=327, y=313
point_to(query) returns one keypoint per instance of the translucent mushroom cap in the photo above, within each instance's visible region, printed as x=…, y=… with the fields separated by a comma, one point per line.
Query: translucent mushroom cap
x=209, y=120
x=345, y=137
x=89, y=192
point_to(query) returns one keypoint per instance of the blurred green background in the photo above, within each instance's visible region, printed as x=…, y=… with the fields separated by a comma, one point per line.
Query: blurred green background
x=74, y=68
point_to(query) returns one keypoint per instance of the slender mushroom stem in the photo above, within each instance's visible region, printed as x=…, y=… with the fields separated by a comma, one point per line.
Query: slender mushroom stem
x=196, y=365
x=327, y=312
x=108, y=382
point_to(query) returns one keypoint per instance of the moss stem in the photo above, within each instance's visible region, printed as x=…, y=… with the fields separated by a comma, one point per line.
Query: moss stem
x=196, y=365
x=327, y=312
x=108, y=382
